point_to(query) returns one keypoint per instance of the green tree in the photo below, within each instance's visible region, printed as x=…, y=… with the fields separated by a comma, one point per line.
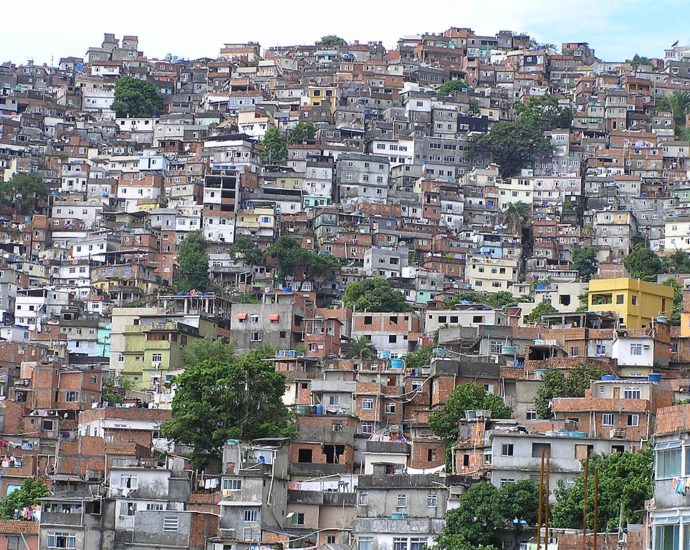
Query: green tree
x=542, y=308
x=227, y=398
x=637, y=60
x=420, y=357
x=22, y=192
x=193, y=263
x=516, y=216
x=27, y=495
x=679, y=104
x=273, y=148
x=332, y=41
x=624, y=478
x=643, y=263
x=512, y=145
x=292, y=258
x=677, y=262
x=451, y=86
x=474, y=106
x=544, y=112
x=359, y=348
x=556, y=384
x=585, y=262
x=244, y=249
x=136, y=98
x=208, y=349
x=465, y=397
x=485, y=513
x=677, y=300
x=304, y=131
x=374, y=295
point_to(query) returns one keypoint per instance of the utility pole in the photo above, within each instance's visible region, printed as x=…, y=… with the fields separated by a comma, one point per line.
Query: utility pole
x=541, y=500
x=584, y=506
x=548, y=495
x=596, y=505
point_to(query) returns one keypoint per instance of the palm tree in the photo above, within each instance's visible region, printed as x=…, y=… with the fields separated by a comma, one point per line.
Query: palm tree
x=516, y=216
x=360, y=348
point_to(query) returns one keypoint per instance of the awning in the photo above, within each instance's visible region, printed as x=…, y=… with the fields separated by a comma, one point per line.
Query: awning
x=274, y=317
x=663, y=445
x=242, y=316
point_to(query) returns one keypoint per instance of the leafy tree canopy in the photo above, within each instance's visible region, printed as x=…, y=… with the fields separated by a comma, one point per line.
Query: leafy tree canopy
x=677, y=262
x=585, y=262
x=474, y=106
x=512, y=145
x=27, y=495
x=136, y=98
x=292, y=257
x=332, y=41
x=208, y=349
x=244, y=249
x=22, y=192
x=193, y=263
x=556, y=384
x=544, y=112
x=273, y=148
x=638, y=60
x=304, y=131
x=421, y=357
x=451, y=86
x=359, y=348
x=677, y=300
x=516, y=216
x=228, y=397
x=485, y=513
x=374, y=295
x=502, y=299
x=465, y=397
x=623, y=478
x=542, y=308
x=643, y=263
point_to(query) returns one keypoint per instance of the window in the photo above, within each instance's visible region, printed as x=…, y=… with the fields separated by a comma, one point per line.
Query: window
x=337, y=426
x=330, y=539
x=333, y=399
x=390, y=408
x=402, y=500
x=392, y=338
x=155, y=506
x=157, y=357
x=71, y=396
x=431, y=501
x=620, y=298
x=635, y=349
x=632, y=393
x=232, y=484
x=399, y=543
x=60, y=539
x=666, y=537
x=507, y=449
x=607, y=419
x=128, y=481
x=668, y=463
x=367, y=404
x=633, y=420
x=531, y=414
x=506, y=481
x=541, y=449
x=304, y=456
x=298, y=519
x=251, y=515
x=363, y=498
x=256, y=336
x=254, y=318
x=365, y=543
x=417, y=386
x=366, y=427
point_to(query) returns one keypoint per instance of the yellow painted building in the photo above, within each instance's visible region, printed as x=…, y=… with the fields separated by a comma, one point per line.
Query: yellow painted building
x=636, y=302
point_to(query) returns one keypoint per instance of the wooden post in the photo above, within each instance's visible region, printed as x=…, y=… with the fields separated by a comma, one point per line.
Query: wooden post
x=596, y=505
x=541, y=500
x=584, y=506
x=548, y=495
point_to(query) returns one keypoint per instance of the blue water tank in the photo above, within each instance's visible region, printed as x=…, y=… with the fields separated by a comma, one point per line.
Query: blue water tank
x=385, y=354
x=397, y=363
x=609, y=377
x=654, y=377
x=320, y=409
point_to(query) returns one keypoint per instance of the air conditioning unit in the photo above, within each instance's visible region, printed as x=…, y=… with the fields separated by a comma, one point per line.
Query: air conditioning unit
x=617, y=433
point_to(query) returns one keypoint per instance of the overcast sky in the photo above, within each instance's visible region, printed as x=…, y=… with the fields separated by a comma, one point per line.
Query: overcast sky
x=615, y=28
